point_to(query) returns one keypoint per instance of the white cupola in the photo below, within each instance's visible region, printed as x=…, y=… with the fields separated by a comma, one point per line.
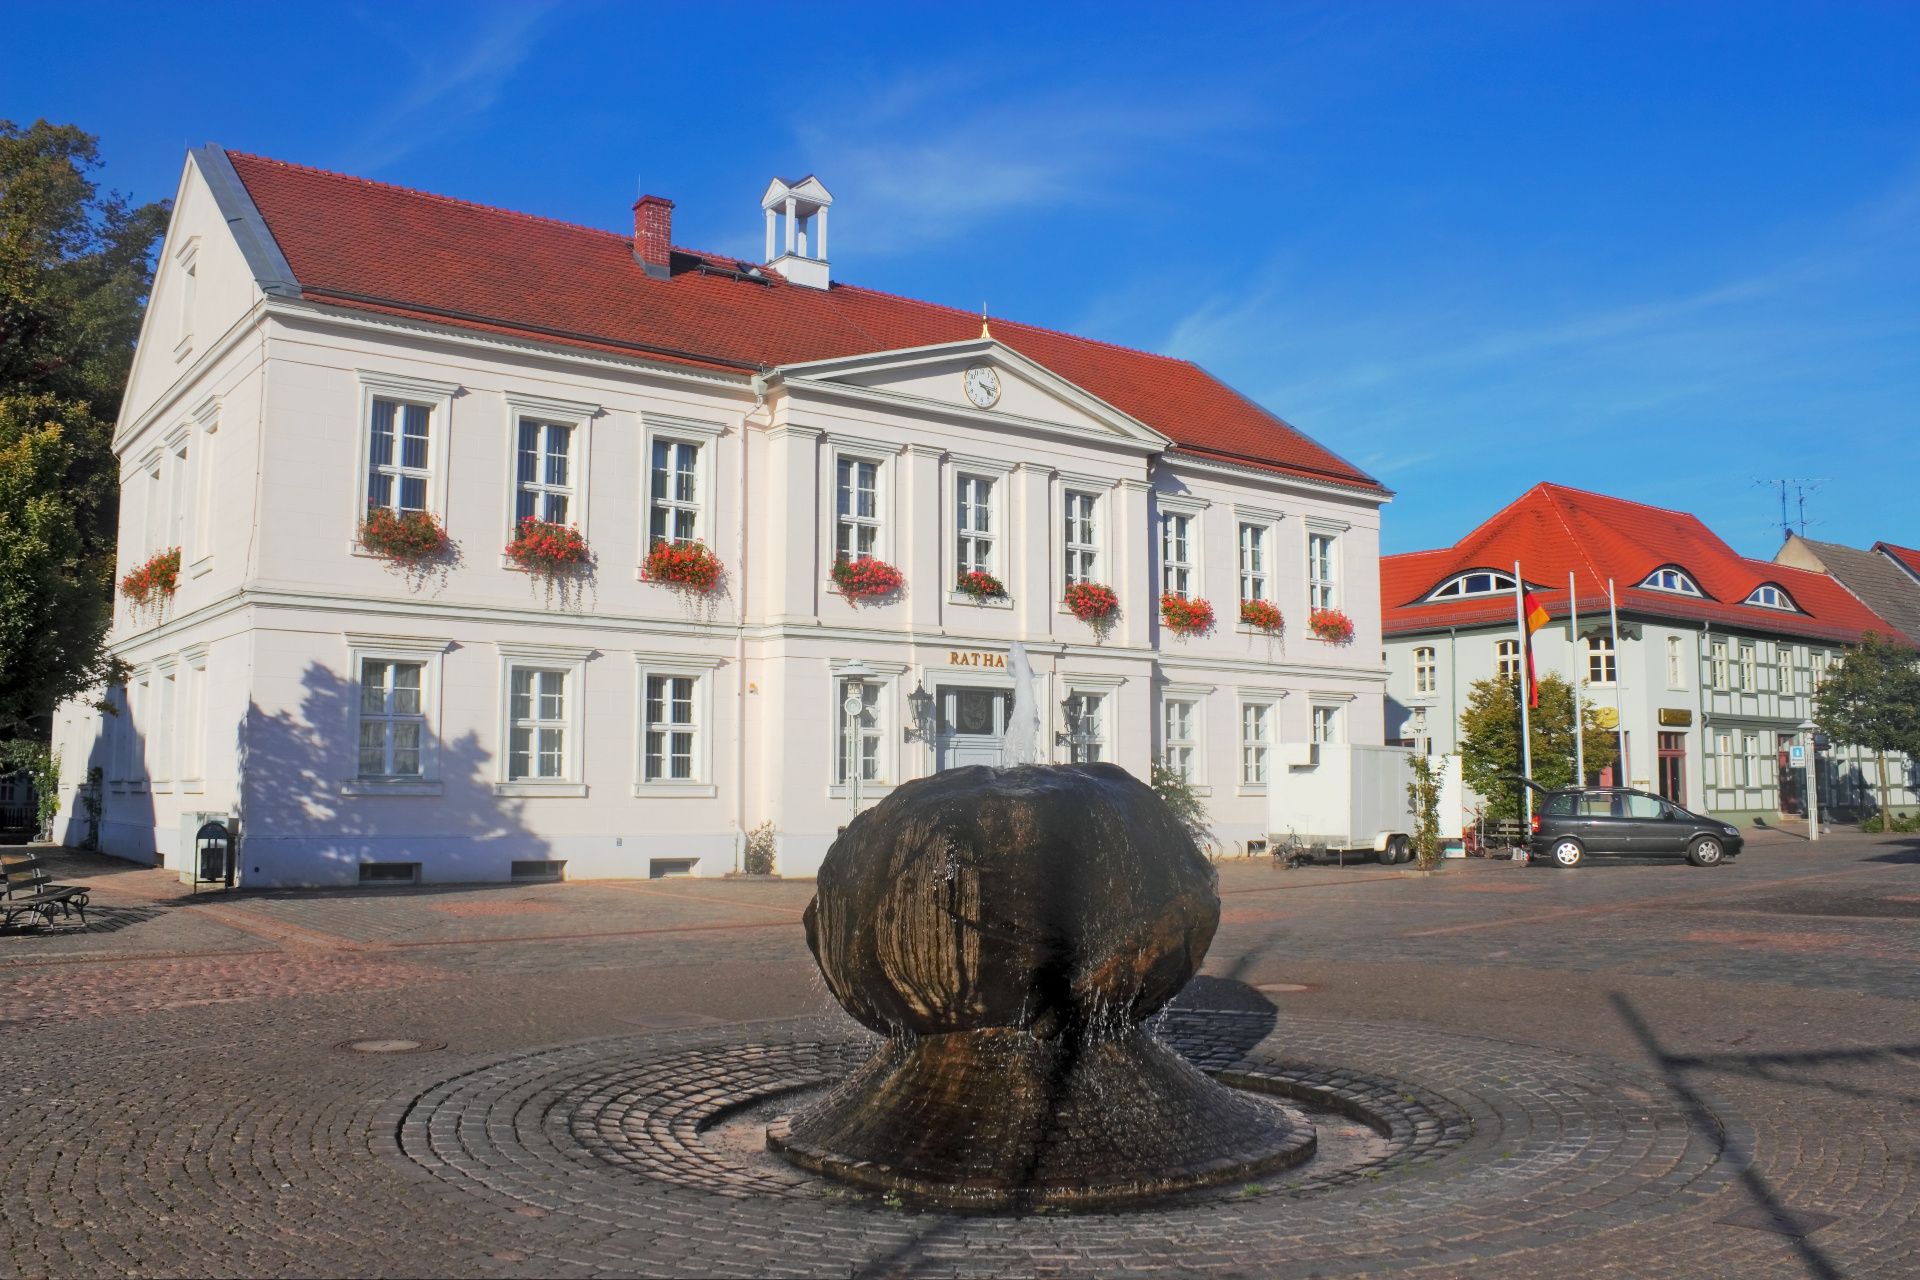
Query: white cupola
x=800, y=252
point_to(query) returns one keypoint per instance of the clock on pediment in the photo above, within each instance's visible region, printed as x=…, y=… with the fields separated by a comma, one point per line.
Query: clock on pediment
x=983, y=385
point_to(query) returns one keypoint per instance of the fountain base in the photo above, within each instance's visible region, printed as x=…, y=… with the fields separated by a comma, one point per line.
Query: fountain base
x=999, y=1119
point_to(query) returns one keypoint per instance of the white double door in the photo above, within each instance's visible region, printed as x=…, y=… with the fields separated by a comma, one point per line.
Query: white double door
x=973, y=726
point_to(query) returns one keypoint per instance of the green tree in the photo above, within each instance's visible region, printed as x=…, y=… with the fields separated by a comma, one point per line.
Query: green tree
x=1871, y=699
x=1490, y=740
x=1172, y=786
x=1423, y=796
x=75, y=269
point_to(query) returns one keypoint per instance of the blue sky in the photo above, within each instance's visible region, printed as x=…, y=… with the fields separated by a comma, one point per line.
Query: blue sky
x=1659, y=251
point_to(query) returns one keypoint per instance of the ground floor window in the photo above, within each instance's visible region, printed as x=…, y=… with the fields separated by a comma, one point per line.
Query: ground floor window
x=393, y=723
x=859, y=736
x=1180, y=738
x=670, y=728
x=1086, y=728
x=1326, y=724
x=538, y=724
x=1256, y=742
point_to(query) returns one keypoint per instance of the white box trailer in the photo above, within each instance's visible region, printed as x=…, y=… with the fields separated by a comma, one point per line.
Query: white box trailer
x=1337, y=798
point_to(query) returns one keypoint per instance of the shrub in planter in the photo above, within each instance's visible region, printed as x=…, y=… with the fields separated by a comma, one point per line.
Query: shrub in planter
x=1330, y=625
x=981, y=585
x=859, y=580
x=1185, y=617
x=688, y=565
x=404, y=537
x=1091, y=602
x=762, y=843
x=1262, y=615
x=549, y=549
x=153, y=583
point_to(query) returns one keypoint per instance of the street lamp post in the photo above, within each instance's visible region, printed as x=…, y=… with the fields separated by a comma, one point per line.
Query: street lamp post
x=1813, y=782
x=854, y=677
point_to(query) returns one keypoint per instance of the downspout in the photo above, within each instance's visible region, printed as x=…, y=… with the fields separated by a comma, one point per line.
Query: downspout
x=1700, y=671
x=759, y=384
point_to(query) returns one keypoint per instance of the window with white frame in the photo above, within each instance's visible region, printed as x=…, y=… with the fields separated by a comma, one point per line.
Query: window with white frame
x=1768, y=596
x=1726, y=764
x=399, y=455
x=1717, y=667
x=973, y=524
x=1256, y=742
x=1750, y=760
x=543, y=472
x=1426, y=670
x=164, y=724
x=1180, y=737
x=154, y=517
x=859, y=737
x=538, y=723
x=1673, y=580
x=1506, y=659
x=189, y=287
x=1602, y=668
x=193, y=719
x=1253, y=562
x=670, y=728
x=1176, y=553
x=1480, y=582
x=1817, y=665
x=393, y=720
x=1087, y=727
x=1325, y=725
x=856, y=509
x=1082, y=537
x=1749, y=669
x=1676, y=663
x=1322, y=583
x=673, y=487
x=1783, y=662
x=180, y=493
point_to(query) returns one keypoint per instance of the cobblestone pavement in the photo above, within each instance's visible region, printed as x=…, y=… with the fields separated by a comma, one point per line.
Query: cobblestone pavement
x=1629, y=1069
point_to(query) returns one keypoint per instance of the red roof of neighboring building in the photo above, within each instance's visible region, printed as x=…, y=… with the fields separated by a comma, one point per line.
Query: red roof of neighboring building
x=369, y=246
x=1906, y=557
x=1553, y=531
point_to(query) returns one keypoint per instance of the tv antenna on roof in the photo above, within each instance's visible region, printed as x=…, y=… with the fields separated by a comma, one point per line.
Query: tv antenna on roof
x=1800, y=487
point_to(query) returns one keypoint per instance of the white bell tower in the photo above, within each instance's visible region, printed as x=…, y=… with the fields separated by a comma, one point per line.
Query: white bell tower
x=802, y=255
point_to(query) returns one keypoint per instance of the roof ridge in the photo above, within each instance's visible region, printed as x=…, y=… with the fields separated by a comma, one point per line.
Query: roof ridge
x=1580, y=547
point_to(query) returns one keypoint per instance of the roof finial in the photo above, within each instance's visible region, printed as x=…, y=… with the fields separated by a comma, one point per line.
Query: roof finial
x=984, y=331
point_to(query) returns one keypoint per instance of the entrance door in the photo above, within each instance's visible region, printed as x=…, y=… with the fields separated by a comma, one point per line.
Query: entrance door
x=972, y=723
x=1673, y=767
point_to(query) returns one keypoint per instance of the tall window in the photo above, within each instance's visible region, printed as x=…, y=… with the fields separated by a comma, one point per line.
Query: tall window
x=861, y=740
x=1818, y=664
x=1256, y=741
x=1783, y=658
x=670, y=728
x=399, y=461
x=674, y=492
x=1176, y=553
x=1717, y=664
x=1676, y=663
x=392, y=720
x=857, y=509
x=1253, y=562
x=1087, y=714
x=1082, y=537
x=1750, y=760
x=544, y=483
x=1426, y=673
x=180, y=500
x=164, y=726
x=1506, y=659
x=1179, y=736
x=1726, y=764
x=1749, y=669
x=537, y=711
x=973, y=508
x=1326, y=724
x=1320, y=571
x=1601, y=667
x=193, y=721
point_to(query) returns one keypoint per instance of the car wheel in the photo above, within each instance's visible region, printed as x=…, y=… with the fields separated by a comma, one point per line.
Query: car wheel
x=1706, y=852
x=1567, y=854
x=1396, y=851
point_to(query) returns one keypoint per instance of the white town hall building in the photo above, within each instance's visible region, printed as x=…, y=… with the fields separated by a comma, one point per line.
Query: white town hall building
x=320, y=348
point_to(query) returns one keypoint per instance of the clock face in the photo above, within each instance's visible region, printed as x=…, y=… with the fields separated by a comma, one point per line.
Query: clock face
x=983, y=385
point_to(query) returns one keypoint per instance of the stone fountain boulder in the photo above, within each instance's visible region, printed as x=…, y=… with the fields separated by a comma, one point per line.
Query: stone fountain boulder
x=1007, y=930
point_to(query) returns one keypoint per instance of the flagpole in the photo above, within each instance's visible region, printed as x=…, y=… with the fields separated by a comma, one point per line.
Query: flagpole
x=1526, y=720
x=1573, y=649
x=1619, y=712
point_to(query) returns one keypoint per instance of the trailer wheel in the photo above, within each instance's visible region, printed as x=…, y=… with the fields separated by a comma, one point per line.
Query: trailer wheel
x=1397, y=850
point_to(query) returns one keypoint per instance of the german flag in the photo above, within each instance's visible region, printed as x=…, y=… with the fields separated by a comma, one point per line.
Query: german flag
x=1534, y=616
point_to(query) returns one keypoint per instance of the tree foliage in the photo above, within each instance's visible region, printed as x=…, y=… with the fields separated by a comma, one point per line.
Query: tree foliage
x=75, y=268
x=1490, y=740
x=1172, y=786
x=1870, y=698
x=1423, y=797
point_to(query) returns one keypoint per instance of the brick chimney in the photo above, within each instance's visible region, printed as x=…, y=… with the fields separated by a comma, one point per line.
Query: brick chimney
x=653, y=234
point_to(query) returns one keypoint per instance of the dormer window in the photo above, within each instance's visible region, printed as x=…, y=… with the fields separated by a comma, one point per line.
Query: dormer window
x=1672, y=580
x=1479, y=582
x=1768, y=596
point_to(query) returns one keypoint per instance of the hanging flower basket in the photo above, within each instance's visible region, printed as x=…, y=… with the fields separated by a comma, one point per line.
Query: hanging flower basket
x=1185, y=617
x=859, y=580
x=690, y=566
x=153, y=583
x=981, y=585
x=1091, y=602
x=1262, y=615
x=404, y=537
x=550, y=550
x=1330, y=625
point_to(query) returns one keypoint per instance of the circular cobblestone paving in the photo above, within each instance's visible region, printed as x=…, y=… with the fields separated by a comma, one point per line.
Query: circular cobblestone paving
x=1469, y=1147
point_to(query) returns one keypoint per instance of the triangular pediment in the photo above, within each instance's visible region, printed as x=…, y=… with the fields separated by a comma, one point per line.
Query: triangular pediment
x=936, y=376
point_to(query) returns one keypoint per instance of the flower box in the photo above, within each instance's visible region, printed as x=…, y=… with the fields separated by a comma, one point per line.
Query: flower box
x=690, y=566
x=153, y=583
x=980, y=585
x=1091, y=602
x=1185, y=617
x=1330, y=625
x=542, y=547
x=1262, y=615
x=869, y=579
x=404, y=537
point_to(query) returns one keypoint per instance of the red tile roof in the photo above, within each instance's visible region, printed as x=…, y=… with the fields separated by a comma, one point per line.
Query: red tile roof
x=369, y=246
x=1906, y=557
x=1553, y=531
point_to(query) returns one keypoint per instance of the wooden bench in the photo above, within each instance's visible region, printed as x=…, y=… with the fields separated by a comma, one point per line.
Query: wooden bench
x=31, y=891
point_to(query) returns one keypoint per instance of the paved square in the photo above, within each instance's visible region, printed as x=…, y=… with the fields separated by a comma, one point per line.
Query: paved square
x=1630, y=1069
